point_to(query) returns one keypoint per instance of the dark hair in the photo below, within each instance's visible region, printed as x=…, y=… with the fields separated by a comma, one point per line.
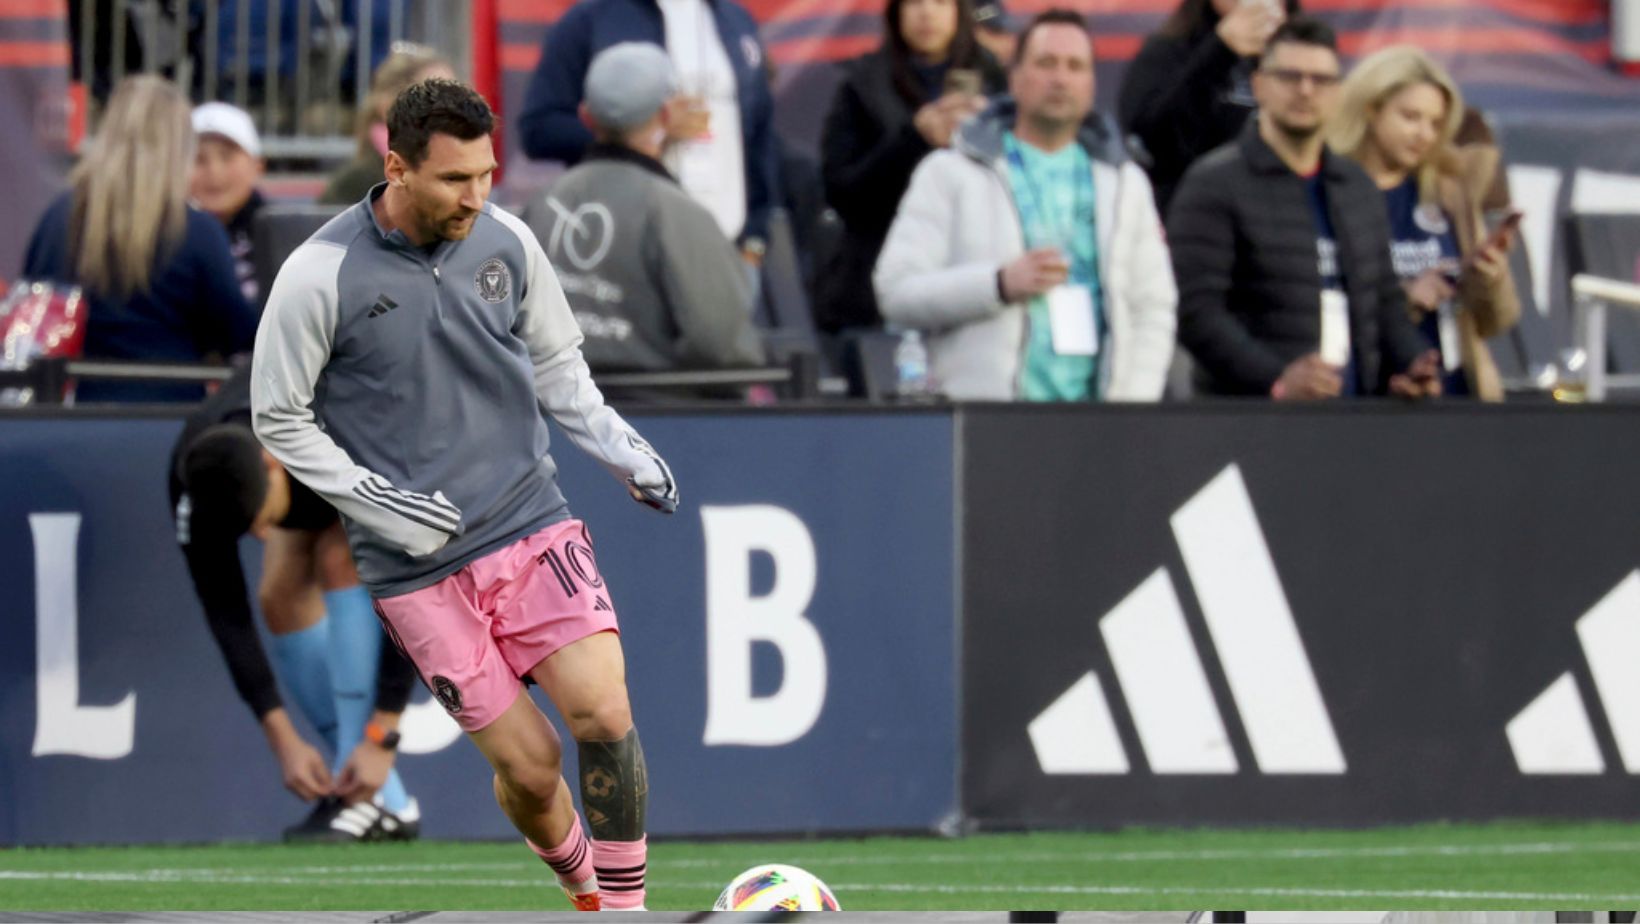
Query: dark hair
x=1195, y=17
x=435, y=107
x=1302, y=30
x=1059, y=16
x=226, y=482
x=964, y=49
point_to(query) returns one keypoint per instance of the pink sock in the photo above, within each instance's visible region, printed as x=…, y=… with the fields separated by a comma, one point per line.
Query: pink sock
x=571, y=860
x=621, y=866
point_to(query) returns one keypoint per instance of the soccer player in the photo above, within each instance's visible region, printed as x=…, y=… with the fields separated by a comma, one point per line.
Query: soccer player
x=406, y=357
x=326, y=639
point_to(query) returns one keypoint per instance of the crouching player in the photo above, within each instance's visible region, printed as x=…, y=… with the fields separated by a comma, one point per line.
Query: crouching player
x=326, y=639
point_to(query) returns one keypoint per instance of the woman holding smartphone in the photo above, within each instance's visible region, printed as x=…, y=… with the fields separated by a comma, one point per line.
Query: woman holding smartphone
x=895, y=105
x=1398, y=113
x=1189, y=90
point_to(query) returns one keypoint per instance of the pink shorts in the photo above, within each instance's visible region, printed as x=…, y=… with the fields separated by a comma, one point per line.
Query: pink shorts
x=474, y=634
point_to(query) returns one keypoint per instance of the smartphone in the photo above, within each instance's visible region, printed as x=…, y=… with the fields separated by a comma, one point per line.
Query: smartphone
x=1499, y=237
x=965, y=81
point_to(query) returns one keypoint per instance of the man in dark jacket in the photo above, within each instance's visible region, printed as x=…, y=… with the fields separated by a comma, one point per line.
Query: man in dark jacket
x=550, y=127
x=1281, y=251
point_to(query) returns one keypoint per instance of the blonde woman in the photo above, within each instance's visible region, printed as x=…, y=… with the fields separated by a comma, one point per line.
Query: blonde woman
x=408, y=65
x=1398, y=115
x=158, y=275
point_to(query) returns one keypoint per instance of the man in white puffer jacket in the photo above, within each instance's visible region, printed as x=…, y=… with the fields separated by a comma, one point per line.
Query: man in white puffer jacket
x=1030, y=253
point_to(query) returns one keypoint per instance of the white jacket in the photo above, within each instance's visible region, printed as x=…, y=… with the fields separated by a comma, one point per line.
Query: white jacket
x=958, y=225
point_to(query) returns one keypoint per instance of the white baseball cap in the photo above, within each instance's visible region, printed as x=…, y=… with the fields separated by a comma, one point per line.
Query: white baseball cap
x=230, y=122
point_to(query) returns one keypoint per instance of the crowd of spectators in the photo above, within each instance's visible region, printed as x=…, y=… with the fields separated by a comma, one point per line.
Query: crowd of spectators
x=1325, y=232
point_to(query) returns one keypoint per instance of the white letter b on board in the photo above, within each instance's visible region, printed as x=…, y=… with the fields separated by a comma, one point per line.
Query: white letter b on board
x=735, y=620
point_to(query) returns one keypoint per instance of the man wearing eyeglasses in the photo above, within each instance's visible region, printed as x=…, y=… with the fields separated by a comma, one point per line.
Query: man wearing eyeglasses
x=1282, y=254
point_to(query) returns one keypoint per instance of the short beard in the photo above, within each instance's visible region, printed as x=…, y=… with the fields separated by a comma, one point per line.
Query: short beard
x=1049, y=127
x=447, y=236
x=435, y=229
x=1296, y=136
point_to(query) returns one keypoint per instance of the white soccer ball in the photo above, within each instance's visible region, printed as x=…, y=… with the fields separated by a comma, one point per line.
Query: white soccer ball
x=776, y=887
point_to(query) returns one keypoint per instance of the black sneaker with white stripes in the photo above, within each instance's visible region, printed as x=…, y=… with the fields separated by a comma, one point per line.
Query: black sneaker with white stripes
x=325, y=824
x=334, y=822
x=403, y=825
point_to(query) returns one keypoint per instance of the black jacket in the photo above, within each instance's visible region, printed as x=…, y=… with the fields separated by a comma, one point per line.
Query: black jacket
x=1244, y=253
x=1183, y=97
x=868, y=151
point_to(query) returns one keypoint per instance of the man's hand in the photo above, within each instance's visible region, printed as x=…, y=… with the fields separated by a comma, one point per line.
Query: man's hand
x=1308, y=378
x=305, y=771
x=658, y=498
x=1421, y=380
x=938, y=121
x=651, y=484
x=364, y=773
x=303, y=768
x=1429, y=290
x=1034, y=273
x=1246, y=28
x=689, y=118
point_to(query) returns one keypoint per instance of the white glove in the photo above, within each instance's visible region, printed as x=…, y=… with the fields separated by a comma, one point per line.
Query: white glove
x=651, y=484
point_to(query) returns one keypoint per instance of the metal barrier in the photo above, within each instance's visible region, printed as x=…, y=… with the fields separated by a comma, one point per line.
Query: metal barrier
x=300, y=67
x=1591, y=296
x=798, y=380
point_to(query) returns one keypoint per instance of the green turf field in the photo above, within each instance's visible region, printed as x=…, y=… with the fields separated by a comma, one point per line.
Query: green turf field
x=1543, y=867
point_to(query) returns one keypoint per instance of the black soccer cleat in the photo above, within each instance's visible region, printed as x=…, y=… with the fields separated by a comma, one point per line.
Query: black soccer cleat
x=333, y=821
x=319, y=826
x=397, y=826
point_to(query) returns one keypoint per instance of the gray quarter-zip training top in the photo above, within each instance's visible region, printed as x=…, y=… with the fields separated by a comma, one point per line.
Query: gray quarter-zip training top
x=405, y=386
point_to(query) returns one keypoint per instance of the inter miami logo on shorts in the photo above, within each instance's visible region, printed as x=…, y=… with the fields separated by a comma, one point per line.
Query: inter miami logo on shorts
x=449, y=695
x=494, y=281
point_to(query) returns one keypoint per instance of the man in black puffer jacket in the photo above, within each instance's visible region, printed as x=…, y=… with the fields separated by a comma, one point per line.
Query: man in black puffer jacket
x=1281, y=250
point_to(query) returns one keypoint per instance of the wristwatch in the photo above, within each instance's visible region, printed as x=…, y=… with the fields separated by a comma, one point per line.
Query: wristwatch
x=386, y=739
x=755, y=246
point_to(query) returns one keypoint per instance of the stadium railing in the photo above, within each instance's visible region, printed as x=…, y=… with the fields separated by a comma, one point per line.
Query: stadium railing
x=799, y=379
x=1592, y=295
x=304, y=110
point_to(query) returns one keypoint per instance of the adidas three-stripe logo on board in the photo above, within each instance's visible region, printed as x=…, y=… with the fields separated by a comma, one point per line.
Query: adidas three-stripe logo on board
x=1552, y=735
x=1160, y=673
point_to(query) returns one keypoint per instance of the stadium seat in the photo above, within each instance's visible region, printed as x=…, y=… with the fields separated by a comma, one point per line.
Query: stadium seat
x=1529, y=346
x=782, y=313
x=1608, y=245
x=280, y=229
x=869, y=357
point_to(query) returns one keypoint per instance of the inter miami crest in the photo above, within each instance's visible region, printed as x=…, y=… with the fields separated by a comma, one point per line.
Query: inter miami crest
x=449, y=695
x=494, y=281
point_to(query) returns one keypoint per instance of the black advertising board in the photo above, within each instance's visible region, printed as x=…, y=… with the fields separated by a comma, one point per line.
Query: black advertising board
x=1244, y=614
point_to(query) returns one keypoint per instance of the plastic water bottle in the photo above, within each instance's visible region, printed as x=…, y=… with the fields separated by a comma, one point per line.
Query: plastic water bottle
x=911, y=365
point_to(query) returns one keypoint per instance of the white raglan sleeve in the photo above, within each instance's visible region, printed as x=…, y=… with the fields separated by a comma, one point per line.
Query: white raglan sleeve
x=564, y=385
x=293, y=344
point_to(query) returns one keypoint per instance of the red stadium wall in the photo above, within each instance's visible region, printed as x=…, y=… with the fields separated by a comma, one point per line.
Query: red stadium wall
x=1526, y=55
